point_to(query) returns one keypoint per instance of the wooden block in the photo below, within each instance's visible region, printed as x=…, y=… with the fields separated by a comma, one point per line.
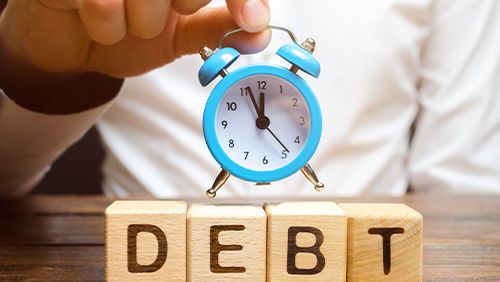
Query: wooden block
x=306, y=242
x=146, y=241
x=384, y=242
x=226, y=243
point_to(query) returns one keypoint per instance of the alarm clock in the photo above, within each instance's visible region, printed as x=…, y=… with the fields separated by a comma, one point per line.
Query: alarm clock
x=262, y=122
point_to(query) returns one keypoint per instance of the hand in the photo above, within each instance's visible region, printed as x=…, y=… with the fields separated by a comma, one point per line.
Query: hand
x=263, y=121
x=277, y=139
x=262, y=106
x=254, y=102
x=123, y=38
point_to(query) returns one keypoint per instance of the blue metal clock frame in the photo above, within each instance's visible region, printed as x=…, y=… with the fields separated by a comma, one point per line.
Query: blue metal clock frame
x=209, y=124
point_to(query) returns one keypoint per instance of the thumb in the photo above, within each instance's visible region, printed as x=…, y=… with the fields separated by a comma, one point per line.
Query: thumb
x=206, y=27
x=251, y=15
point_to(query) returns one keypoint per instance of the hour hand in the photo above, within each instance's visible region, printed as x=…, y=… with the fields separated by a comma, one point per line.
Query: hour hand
x=262, y=100
x=262, y=122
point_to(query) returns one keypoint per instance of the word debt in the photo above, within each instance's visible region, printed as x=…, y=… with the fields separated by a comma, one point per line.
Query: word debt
x=292, y=241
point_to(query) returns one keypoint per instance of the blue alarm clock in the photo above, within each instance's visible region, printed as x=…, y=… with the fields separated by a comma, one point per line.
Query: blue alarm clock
x=261, y=123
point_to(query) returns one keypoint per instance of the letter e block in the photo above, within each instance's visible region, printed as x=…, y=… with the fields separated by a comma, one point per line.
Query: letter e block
x=146, y=241
x=306, y=241
x=384, y=242
x=226, y=243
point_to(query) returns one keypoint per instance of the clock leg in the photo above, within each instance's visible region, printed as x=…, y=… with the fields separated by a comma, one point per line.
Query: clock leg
x=311, y=176
x=219, y=181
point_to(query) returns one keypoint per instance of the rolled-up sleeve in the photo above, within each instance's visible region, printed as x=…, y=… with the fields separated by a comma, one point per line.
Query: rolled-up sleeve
x=31, y=141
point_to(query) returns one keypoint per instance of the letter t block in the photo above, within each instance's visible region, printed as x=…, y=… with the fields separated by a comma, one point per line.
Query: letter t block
x=226, y=243
x=306, y=241
x=146, y=241
x=384, y=242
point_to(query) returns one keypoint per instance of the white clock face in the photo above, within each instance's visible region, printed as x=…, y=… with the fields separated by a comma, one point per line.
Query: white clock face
x=263, y=122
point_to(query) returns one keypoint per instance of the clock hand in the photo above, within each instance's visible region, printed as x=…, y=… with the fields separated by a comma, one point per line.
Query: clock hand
x=262, y=122
x=261, y=105
x=254, y=102
x=281, y=143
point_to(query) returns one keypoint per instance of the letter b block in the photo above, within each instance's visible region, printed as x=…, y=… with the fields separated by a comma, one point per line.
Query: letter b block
x=226, y=243
x=146, y=241
x=306, y=242
x=384, y=242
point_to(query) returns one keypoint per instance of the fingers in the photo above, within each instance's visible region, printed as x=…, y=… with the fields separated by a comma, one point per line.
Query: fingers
x=60, y=4
x=104, y=20
x=146, y=18
x=251, y=15
x=205, y=28
x=108, y=21
x=187, y=7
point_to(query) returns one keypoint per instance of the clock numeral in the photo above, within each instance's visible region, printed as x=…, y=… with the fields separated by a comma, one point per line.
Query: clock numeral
x=246, y=154
x=284, y=154
x=281, y=89
x=231, y=106
x=297, y=140
x=224, y=123
x=302, y=120
x=265, y=161
x=261, y=85
x=231, y=143
x=244, y=91
x=294, y=102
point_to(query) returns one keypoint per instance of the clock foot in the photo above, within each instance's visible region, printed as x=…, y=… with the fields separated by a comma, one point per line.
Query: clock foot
x=219, y=181
x=311, y=176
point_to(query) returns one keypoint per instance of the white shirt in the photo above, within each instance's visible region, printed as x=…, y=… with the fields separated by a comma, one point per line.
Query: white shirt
x=386, y=66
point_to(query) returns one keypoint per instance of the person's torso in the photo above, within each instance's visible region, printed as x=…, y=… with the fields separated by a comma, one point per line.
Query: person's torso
x=369, y=54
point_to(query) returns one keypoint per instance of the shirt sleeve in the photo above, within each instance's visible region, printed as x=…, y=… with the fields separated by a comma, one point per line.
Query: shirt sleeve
x=30, y=141
x=455, y=147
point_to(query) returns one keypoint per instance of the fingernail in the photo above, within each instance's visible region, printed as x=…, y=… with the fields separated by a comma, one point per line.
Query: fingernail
x=255, y=13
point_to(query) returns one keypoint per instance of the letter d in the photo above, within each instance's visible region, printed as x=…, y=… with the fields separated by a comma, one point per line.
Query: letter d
x=132, y=232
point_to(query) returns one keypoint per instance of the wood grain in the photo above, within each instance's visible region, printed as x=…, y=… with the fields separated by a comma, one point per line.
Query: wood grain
x=52, y=263
x=461, y=236
x=146, y=240
x=384, y=242
x=52, y=229
x=306, y=241
x=226, y=243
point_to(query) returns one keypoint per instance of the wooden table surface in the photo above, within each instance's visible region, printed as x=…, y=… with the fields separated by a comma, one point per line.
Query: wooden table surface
x=62, y=237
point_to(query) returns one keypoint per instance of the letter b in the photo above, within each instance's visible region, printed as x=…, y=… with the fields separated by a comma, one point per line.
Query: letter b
x=293, y=250
x=315, y=250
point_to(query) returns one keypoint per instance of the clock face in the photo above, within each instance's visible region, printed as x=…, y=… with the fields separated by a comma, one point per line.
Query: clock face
x=262, y=122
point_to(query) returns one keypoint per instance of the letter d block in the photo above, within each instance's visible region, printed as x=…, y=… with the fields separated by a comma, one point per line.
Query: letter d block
x=146, y=241
x=226, y=243
x=384, y=242
x=306, y=241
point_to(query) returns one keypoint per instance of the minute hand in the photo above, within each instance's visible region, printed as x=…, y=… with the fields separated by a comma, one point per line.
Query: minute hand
x=254, y=102
x=277, y=139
